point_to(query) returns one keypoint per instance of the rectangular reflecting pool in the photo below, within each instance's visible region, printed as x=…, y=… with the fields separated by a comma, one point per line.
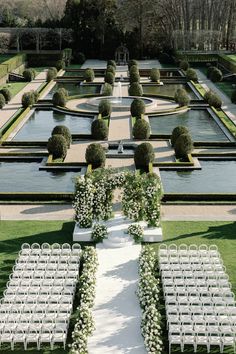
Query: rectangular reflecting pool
x=167, y=90
x=216, y=176
x=199, y=122
x=41, y=123
x=74, y=89
x=26, y=177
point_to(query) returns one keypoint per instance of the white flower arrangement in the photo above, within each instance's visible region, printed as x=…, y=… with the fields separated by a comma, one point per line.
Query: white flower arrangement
x=136, y=231
x=84, y=326
x=148, y=292
x=99, y=232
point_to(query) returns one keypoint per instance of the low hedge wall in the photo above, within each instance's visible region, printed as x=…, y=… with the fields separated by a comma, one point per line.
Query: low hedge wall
x=175, y=164
x=201, y=197
x=228, y=123
x=3, y=70
x=34, y=197
x=198, y=57
x=227, y=62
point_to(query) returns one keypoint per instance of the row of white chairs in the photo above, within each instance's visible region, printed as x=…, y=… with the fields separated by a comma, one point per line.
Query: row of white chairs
x=188, y=249
x=46, y=248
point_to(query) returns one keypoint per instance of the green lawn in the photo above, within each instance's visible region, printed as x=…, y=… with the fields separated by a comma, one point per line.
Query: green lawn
x=73, y=66
x=223, y=234
x=14, y=87
x=232, y=56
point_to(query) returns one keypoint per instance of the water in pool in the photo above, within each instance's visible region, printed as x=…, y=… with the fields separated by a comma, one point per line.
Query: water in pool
x=75, y=89
x=41, y=123
x=216, y=176
x=199, y=121
x=167, y=89
x=26, y=177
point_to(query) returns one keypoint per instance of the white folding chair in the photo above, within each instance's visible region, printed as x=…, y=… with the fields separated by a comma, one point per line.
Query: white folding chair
x=58, y=336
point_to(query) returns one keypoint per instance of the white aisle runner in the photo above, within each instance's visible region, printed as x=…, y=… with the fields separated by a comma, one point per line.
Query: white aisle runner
x=116, y=311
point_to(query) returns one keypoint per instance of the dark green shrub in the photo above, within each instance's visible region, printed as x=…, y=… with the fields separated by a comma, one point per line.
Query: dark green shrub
x=89, y=75
x=28, y=99
x=2, y=101
x=112, y=63
x=155, y=75
x=63, y=91
x=132, y=62
x=109, y=77
x=137, y=108
x=135, y=89
x=111, y=69
x=191, y=75
x=57, y=146
x=29, y=74
x=134, y=77
x=233, y=96
x=183, y=146
x=177, y=131
x=36, y=95
x=184, y=65
x=209, y=71
x=215, y=101
x=134, y=69
x=59, y=98
x=79, y=57
x=181, y=97
x=216, y=75
x=6, y=93
x=99, y=129
x=143, y=155
x=165, y=58
x=95, y=155
x=141, y=129
x=64, y=131
x=104, y=108
x=107, y=89
x=60, y=65
x=51, y=74
x=208, y=94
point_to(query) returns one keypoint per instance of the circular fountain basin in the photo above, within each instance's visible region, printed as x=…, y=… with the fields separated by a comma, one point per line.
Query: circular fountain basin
x=119, y=104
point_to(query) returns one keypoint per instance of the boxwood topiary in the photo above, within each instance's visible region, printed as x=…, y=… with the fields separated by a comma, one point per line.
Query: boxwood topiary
x=95, y=155
x=137, y=108
x=99, y=129
x=141, y=129
x=184, y=65
x=104, y=108
x=233, y=96
x=57, y=146
x=89, y=75
x=181, y=97
x=51, y=74
x=183, y=146
x=176, y=132
x=107, y=89
x=2, y=101
x=6, y=93
x=132, y=62
x=28, y=99
x=208, y=94
x=133, y=69
x=215, y=101
x=135, y=89
x=134, y=77
x=64, y=131
x=143, y=155
x=110, y=68
x=216, y=75
x=155, y=75
x=191, y=75
x=60, y=64
x=29, y=74
x=109, y=77
x=59, y=98
x=111, y=62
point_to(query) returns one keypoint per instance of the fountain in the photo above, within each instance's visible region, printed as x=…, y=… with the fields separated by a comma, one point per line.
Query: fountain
x=117, y=93
x=120, y=148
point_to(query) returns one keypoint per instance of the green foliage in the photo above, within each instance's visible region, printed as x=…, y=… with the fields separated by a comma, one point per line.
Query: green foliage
x=208, y=94
x=155, y=75
x=60, y=97
x=6, y=93
x=191, y=75
x=135, y=89
x=111, y=62
x=89, y=75
x=79, y=57
x=183, y=146
x=104, y=108
x=99, y=129
x=216, y=75
x=111, y=68
x=60, y=64
x=29, y=74
x=134, y=69
x=215, y=101
x=107, y=89
x=57, y=146
x=134, y=77
x=95, y=155
x=29, y=98
x=184, y=65
x=136, y=232
x=99, y=232
x=2, y=101
x=132, y=62
x=109, y=77
x=209, y=71
x=51, y=74
x=233, y=97
x=143, y=155
x=141, y=129
x=64, y=131
x=137, y=108
x=177, y=131
x=181, y=97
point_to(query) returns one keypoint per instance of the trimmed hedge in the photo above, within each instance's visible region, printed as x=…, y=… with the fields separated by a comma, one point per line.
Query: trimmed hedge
x=60, y=64
x=181, y=97
x=15, y=61
x=132, y=62
x=176, y=132
x=104, y=108
x=109, y=77
x=60, y=97
x=112, y=63
x=95, y=155
x=141, y=129
x=191, y=75
x=216, y=75
x=2, y=101
x=57, y=146
x=144, y=155
x=51, y=74
x=6, y=93
x=135, y=89
x=213, y=99
x=137, y=108
x=64, y=131
x=111, y=68
x=183, y=146
x=155, y=75
x=184, y=65
x=89, y=75
x=99, y=129
x=134, y=77
x=29, y=74
x=107, y=89
x=134, y=69
x=29, y=98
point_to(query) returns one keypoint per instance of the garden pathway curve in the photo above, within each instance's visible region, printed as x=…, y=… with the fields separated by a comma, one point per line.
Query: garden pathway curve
x=116, y=311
